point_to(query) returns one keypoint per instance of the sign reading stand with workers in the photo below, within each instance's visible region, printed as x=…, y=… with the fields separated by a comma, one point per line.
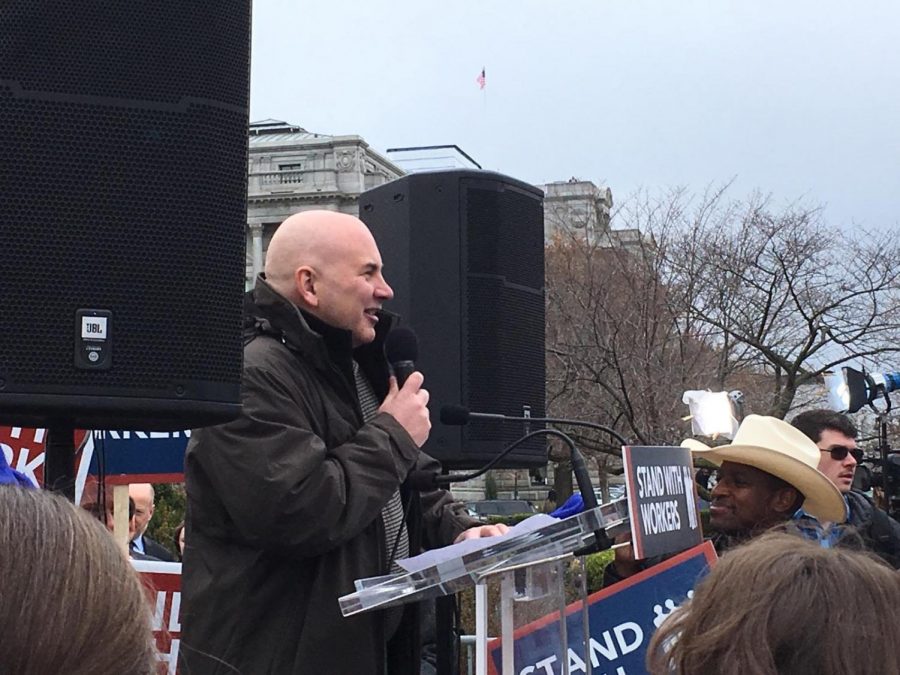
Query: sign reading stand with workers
x=662, y=500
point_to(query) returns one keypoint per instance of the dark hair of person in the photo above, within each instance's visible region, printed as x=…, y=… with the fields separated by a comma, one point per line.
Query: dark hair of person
x=814, y=422
x=103, y=512
x=72, y=603
x=175, y=540
x=97, y=510
x=781, y=605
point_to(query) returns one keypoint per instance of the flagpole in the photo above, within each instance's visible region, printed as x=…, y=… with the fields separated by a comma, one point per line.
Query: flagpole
x=482, y=83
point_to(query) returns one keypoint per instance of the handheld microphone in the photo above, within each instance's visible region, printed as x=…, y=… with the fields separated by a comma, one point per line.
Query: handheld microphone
x=402, y=350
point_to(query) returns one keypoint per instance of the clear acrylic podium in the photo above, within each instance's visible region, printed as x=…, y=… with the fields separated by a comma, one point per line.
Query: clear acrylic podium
x=523, y=574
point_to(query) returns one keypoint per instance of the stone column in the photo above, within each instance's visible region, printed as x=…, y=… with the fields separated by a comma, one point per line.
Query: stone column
x=256, y=248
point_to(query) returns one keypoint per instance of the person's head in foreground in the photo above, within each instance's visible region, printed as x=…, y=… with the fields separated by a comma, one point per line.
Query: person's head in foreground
x=780, y=605
x=72, y=603
x=764, y=476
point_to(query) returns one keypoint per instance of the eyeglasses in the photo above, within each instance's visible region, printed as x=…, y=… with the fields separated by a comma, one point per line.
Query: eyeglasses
x=839, y=453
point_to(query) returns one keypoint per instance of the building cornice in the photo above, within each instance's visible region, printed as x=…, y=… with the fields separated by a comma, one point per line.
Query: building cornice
x=293, y=197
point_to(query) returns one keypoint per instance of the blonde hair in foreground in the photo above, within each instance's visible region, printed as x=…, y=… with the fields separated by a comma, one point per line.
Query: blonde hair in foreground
x=71, y=601
x=781, y=605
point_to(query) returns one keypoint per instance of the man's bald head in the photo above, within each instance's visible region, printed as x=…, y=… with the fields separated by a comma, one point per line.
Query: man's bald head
x=143, y=497
x=311, y=238
x=328, y=264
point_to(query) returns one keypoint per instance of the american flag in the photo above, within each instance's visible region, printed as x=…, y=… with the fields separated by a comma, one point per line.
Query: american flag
x=480, y=80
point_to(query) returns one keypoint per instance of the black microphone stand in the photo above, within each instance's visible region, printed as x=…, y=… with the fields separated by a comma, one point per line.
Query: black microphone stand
x=457, y=416
x=424, y=480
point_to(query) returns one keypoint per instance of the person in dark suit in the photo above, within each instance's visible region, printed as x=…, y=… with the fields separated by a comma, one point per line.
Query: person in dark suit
x=144, y=496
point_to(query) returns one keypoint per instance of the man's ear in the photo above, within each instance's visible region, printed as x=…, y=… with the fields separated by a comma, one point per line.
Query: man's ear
x=305, y=282
x=786, y=500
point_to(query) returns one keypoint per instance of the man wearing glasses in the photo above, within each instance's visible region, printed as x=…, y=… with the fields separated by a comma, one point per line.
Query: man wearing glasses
x=835, y=435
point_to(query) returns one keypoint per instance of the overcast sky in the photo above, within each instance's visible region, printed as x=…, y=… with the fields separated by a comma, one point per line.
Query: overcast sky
x=797, y=98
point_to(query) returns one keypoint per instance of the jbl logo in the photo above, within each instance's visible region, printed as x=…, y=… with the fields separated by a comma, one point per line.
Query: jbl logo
x=93, y=327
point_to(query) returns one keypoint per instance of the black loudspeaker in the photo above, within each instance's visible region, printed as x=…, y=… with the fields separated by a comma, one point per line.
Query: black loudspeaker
x=123, y=211
x=464, y=253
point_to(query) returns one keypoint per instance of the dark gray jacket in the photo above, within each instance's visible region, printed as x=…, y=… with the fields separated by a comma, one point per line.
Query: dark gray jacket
x=284, y=508
x=880, y=532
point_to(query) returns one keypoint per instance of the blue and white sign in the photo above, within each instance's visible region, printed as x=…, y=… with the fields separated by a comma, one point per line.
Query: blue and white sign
x=621, y=619
x=141, y=456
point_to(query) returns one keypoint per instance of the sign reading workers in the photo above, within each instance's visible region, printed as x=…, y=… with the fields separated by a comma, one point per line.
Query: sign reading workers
x=662, y=500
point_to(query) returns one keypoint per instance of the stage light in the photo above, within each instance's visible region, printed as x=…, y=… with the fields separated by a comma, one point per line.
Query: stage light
x=850, y=389
x=712, y=412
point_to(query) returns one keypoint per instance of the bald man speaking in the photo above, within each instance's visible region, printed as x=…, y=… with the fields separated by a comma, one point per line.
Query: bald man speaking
x=304, y=492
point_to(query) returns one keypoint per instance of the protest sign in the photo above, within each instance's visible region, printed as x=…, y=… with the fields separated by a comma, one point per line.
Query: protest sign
x=162, y=580
x=24, y=452
x=141, y=456
x=130, y=456
x=662, y=500
x=621, y=620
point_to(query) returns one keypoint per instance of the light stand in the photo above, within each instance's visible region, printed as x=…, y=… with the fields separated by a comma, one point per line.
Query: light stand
x=890, y=481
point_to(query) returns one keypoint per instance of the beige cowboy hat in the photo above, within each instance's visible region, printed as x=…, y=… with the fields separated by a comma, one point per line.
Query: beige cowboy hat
x=774, y=446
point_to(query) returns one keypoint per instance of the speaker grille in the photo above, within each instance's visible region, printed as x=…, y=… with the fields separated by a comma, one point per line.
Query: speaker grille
x=505, y=298
x=163, y=51
x=464, y=251
x=123, y=174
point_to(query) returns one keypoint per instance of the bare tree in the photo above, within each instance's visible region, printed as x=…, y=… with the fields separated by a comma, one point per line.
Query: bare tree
x=713, y=293
x=785, y=295
x=619, y=351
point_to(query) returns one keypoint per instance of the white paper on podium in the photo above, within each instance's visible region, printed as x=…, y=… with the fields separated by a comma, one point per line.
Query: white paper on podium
x=438, y=556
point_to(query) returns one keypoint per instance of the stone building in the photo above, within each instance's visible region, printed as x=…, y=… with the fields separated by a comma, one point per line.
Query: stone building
x=292, y=170
x=579, y=208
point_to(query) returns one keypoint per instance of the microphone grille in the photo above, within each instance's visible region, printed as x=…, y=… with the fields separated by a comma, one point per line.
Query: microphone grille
x=401, y=345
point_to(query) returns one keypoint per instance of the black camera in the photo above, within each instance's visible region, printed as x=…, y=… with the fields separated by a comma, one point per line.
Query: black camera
x=870, y=473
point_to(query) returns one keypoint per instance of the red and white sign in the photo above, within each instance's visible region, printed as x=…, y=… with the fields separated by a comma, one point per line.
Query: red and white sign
x=163, y=583
x=130, y=456
x=24, y=452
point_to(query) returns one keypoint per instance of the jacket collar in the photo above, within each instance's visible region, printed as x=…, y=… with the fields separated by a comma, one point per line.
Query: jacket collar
x=305, y=333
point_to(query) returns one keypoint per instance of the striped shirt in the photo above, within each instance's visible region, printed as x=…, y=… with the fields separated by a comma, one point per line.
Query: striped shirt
x=395, y=533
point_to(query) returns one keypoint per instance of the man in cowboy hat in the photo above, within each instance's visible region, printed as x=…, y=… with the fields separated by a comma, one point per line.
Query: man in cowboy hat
x=766, y=474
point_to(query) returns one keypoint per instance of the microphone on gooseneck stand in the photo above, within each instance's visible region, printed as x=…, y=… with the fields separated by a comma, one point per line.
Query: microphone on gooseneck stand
x=402, y=350
x=426, y=480
x=457, y=415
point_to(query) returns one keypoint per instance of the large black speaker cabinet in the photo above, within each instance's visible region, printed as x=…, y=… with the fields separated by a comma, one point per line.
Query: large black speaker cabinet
x=123, y=189
x=464, y=253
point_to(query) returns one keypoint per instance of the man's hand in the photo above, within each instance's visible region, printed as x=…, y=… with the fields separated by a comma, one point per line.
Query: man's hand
x=624, y=562
x=482, y=531
x=409, y=406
